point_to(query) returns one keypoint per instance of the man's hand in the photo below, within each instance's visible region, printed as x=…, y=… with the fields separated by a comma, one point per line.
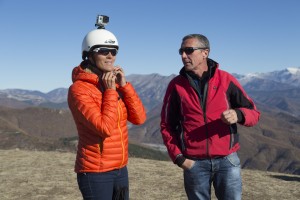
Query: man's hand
x=229, y=117
x=187, y=164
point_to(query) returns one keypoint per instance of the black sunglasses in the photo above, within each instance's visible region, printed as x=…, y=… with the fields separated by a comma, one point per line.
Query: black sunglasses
x=189, y=50
x=105, y=51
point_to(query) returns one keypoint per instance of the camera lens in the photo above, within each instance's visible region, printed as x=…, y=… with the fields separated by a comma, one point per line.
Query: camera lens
x=105, y=19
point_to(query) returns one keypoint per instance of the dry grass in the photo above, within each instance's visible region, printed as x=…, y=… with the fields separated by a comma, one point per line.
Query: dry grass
x=36, y=175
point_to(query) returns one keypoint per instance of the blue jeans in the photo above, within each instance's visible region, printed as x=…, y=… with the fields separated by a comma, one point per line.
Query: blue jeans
x=105, y=186
x=224, y=173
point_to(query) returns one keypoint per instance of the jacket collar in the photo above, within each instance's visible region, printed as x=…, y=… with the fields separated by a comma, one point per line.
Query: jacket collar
x=80, y=73
x=212, y=66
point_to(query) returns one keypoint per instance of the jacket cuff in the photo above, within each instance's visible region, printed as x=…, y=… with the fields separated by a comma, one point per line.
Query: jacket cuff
x=240, y=116
x=179, y=160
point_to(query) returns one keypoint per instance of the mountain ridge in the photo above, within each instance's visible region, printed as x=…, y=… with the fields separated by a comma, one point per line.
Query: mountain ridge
x=271, y=145
x=288, y=78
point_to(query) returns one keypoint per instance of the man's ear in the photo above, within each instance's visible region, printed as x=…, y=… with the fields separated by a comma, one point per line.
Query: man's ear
x=206, y=53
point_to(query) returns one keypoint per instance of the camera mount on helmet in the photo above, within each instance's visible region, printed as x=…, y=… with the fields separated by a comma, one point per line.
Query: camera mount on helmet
x=98, y=37
x=101, y=21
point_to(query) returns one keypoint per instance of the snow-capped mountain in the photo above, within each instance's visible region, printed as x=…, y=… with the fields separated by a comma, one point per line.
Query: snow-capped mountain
x=58, y=95
x=276, y=80
x=276, y=137
x=32, y=97
x=151, y=88
x=36, y=97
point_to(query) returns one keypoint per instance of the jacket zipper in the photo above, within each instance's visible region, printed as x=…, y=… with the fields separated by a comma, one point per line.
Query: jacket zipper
x=204, y=115
x=202, y=100
x=121, y=133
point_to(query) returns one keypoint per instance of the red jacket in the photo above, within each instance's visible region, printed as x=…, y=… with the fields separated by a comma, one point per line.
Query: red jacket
x=101, y=120
x=190, y=117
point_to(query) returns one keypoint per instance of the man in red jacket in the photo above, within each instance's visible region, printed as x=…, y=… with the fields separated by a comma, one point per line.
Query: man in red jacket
x=199, y=117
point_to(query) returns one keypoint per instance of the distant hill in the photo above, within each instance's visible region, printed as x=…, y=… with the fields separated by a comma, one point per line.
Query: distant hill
x=151, y=89
x=274, y=144
x=43, y=121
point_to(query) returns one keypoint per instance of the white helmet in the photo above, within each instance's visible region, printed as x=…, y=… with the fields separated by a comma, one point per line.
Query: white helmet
x=97, y=38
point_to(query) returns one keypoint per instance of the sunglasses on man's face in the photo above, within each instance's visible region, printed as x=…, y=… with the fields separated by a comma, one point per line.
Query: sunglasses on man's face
x=189, y=50
x=105, y=51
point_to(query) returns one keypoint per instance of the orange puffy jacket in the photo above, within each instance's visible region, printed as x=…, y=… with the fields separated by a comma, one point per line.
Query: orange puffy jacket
x=101, y=120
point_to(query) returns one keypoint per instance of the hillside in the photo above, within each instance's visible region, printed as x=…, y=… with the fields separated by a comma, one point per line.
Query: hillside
x=40, y=175
x=35, y=120
x=272, y=145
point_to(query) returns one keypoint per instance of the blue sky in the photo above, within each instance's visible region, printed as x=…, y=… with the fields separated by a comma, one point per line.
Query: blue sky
x=41, y=40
